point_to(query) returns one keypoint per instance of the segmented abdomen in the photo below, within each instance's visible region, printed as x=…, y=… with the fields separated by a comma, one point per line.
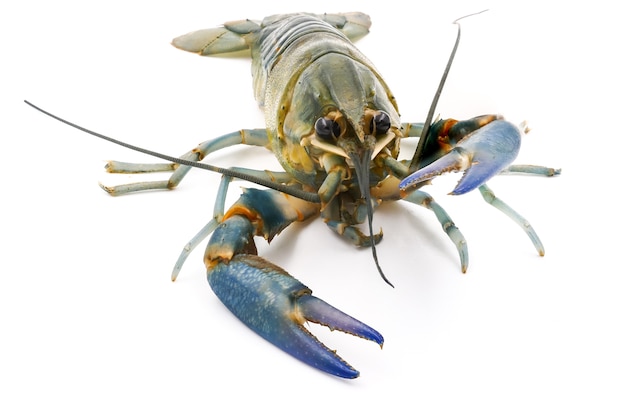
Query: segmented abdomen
x=287, y=36
x=277, y=37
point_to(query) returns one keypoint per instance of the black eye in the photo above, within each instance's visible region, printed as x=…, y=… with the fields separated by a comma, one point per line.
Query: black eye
x=327, y=129
x=380, y=123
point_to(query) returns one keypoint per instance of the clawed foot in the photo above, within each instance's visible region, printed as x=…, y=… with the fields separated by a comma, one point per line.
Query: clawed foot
x=276, y=306
x=482, y=154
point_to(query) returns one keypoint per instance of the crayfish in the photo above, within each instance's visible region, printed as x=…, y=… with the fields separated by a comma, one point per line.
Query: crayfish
x=334, y=126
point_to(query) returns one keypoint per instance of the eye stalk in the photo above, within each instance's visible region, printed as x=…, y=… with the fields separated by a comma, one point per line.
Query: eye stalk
x=330, y=130
x=327, y=129
x=380, y=123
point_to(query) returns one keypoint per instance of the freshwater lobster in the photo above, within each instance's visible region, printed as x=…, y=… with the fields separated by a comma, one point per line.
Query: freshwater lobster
x=334, y=126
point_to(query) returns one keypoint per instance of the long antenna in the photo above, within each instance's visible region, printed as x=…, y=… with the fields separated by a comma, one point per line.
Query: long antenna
x=417, y=157
x=293, y=191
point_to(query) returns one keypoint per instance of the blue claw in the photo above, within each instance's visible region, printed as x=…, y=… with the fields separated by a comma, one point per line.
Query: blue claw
x=276, y=306
x=482, y=154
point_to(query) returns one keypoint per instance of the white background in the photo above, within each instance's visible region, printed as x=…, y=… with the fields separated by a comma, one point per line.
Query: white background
x=92, y=326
